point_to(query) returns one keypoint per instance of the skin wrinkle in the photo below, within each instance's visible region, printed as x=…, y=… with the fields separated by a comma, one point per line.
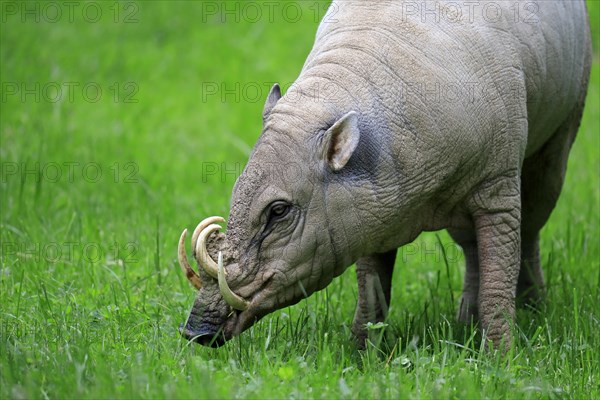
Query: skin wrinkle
x=364, y=51
x=317, y=272
x=328, y=225
x=291, y=282
x=272, y=119
x=322, y=279
x=453, y=185
x=461, y=41
x=344, y=237
x=310, y=72
x=488, y=74
x=305, y=124
x=391, y=36
x=284, y=115
x=280, y=141
x=381, y=102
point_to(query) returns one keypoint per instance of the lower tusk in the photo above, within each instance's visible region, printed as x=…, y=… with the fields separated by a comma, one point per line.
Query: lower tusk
x=231, y=298
x=183, y=263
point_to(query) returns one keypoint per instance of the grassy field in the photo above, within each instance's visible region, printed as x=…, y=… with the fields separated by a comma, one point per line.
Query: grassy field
x=123, y=123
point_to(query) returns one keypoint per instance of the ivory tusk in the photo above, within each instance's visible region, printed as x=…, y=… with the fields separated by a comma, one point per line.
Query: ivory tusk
x=202, y=226
x=231, y=298
x=183, y=263
x=202, y=256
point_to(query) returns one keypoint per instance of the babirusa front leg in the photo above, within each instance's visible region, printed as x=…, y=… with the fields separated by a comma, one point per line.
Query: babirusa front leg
x=497, y=217
x=374, y=276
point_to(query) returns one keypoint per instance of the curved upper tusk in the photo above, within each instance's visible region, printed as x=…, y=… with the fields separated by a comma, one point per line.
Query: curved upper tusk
x=202, y=226
x=204, y=260
x=231, y=298
x=183, y=263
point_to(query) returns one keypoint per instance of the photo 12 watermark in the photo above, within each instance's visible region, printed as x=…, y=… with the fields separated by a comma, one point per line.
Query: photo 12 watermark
x=118, y=12
x=72, y=252
x=266, y=11
x=455, y=12
x=69, y=172
x=69, y=92
x=418, y=91
x=225, y=172
x=449, y=12
x=424, y=252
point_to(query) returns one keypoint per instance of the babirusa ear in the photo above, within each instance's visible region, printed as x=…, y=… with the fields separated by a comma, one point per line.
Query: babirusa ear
x=272, y=99
x=341, y=141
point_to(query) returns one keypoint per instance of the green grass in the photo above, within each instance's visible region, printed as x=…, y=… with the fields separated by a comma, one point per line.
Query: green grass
x=90, y=292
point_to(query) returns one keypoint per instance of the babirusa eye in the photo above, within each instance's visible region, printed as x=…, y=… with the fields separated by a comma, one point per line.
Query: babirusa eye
x=279, y=209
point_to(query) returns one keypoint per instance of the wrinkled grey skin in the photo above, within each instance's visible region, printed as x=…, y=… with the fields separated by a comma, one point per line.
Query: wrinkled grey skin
x=487, y=164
